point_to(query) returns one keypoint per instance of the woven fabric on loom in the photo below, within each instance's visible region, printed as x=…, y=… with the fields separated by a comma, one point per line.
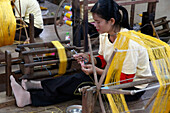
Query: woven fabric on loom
x=159, y=55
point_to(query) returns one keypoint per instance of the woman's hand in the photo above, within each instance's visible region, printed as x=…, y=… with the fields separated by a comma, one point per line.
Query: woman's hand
x=87, y=69
x=81, y=57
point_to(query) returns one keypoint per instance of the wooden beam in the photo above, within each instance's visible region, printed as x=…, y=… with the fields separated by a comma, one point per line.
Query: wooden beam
x=31, y=28
x=124, y=3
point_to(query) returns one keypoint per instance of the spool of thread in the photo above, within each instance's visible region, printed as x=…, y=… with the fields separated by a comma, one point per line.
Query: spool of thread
x=140, y=15
x=68, y=8
x=68, y=22
x=68, y=15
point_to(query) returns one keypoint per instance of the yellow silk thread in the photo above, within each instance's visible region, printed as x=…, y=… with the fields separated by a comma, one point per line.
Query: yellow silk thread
x=7, y=23
x=62, y=57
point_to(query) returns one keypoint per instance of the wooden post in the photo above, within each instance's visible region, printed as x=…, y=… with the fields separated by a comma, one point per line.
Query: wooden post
x=31, y=28
x=85, y=23
x=132, y=12
x=8, y=72
x=28, y=59
x=76, y=22
x=88, y=100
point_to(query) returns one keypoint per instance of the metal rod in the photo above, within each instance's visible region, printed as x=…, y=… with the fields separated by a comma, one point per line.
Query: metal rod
x=149, y=88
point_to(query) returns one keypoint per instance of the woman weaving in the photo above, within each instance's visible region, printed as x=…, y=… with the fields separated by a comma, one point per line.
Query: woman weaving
x=109, y=22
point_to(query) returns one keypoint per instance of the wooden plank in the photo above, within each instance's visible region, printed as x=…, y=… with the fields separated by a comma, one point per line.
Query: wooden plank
x=40, y=44
x=161, y=23
x=164, y=30
x=160, y=19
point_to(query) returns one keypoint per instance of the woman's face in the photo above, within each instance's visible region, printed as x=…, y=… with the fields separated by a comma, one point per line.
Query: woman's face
x=101, y=24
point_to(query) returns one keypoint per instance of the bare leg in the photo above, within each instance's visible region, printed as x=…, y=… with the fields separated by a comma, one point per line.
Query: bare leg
x=22, y=96
x=31, y=84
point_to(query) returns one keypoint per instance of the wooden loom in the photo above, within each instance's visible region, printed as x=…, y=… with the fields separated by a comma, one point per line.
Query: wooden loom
x=90, y=94
x=37, y=60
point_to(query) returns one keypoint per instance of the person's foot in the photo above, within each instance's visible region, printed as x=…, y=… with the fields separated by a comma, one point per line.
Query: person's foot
x=31, y=84
x=23, y=84
x=22, y=96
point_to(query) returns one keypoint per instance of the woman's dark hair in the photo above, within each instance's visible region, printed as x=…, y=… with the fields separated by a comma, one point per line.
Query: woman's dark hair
x=108, y=9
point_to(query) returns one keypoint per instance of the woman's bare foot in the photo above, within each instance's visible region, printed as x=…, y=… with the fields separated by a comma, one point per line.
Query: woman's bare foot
x=22, y=96
x=31, y=84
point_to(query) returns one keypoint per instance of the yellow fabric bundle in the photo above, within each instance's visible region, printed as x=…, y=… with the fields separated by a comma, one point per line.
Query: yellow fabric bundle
x=62, y=57
x=7, y=23
x=159, y=54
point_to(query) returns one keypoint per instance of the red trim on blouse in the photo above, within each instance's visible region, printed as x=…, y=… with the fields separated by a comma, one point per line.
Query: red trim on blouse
x=124, y=76
x=102, y=60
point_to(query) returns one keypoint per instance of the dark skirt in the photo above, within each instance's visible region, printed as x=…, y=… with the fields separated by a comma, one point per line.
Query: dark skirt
x=60, y=89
